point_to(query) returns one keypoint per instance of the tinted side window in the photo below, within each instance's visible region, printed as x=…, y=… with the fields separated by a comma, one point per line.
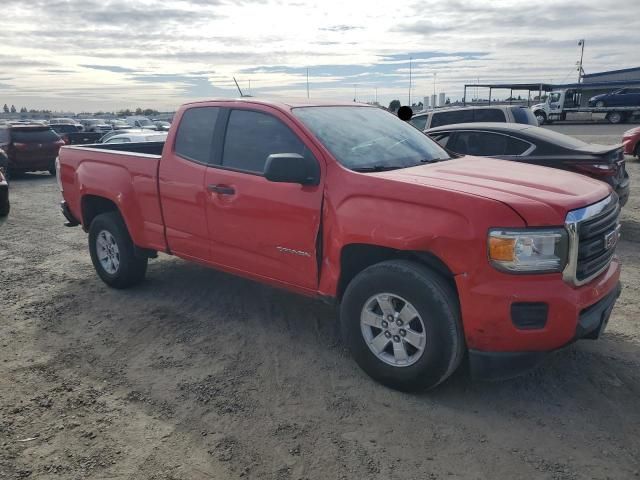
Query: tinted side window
x=488, y=144
x=195, y=134
x=449, y=118
x=419, y=122
x=252, y=136
x=516, y=147
x=442, y=138
x=34, y=136
x=489, y=115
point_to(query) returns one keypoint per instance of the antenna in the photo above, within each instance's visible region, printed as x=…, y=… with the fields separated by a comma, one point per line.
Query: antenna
x=238, y=86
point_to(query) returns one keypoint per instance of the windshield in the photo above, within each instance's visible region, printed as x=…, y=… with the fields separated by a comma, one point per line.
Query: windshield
x=368, y=138
x=554, y=97
x=144, y=122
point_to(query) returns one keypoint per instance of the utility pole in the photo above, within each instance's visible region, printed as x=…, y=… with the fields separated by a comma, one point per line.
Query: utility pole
x=434, y=82
x=410, y=59
x=307, y=82
x=580, y=44
x=376, y=95
x=355, y=92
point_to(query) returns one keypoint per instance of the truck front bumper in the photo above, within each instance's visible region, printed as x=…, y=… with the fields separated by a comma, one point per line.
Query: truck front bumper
x=502, y=365
x=512, y=321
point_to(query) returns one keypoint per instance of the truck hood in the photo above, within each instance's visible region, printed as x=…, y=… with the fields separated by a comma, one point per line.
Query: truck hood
x=541, y=196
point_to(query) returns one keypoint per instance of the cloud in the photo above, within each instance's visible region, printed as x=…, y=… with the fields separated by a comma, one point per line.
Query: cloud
x=109, y=68
x=120, y=53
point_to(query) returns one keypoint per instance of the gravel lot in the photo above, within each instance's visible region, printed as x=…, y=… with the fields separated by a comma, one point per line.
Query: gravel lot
x=197, y=374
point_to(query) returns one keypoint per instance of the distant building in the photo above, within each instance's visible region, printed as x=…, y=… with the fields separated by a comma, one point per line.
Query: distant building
x=441, y=99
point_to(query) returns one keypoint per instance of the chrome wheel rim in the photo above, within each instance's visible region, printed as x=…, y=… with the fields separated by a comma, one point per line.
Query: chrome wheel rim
x=393, y=330
x=108, y=252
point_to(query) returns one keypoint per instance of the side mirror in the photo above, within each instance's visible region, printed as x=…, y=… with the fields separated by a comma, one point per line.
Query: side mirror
x=292, y=168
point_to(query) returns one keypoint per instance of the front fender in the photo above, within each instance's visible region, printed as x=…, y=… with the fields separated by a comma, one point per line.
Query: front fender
x=453, y=228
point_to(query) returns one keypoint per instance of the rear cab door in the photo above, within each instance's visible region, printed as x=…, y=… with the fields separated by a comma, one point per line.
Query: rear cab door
x=257, y=227
x=181, y=179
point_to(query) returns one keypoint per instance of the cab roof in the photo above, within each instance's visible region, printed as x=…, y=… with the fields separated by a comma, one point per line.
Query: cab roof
x=284, y=102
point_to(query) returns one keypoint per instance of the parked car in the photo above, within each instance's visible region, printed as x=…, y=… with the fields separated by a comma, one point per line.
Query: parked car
x=4, y=162
x=631, y=141
x=140, y=122
x=30, y=148
x=4, y=196
x=95, y=125
x=625, y=97
x=66, y=121
x=162, y=126
x=428, y=257
x=138, y=137
x=453, y=115
x=118, y=124
x=80, y=138
x=133, y=131
x=538, y=146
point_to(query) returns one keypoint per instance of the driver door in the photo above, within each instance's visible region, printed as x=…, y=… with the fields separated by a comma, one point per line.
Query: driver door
x=262, y=228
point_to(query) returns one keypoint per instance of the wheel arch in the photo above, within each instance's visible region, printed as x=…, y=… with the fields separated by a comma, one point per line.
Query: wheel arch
x=93, y=205
x=356, y=257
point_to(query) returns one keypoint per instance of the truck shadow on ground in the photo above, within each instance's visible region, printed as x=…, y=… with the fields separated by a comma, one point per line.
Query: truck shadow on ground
x=186, y=312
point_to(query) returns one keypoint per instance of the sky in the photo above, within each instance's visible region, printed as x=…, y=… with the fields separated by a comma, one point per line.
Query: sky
x=89, y=55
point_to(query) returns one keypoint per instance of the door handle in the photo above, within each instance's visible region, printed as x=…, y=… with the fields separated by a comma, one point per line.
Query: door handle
x=222, y=189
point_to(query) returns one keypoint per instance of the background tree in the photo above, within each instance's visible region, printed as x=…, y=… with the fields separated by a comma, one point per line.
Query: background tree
x=138, y=111
x=5, y=108
x=13, y=109
x=394, y=105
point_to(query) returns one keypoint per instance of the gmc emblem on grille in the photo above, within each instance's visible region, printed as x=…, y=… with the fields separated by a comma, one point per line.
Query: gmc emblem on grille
x=611, y=238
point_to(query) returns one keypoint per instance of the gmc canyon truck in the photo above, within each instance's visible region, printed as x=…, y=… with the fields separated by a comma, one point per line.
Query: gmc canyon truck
x=429, y=257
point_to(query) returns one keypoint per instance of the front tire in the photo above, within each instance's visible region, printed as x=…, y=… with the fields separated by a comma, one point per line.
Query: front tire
x=113, y=252
x=401, y=322
x=615, y=117
x=541, y=117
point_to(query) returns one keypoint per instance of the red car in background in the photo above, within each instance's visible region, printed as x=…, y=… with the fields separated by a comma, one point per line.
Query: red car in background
x=631, y=141
x=30, y=148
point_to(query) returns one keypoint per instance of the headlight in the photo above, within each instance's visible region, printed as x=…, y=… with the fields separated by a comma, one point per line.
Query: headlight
x=528, y=250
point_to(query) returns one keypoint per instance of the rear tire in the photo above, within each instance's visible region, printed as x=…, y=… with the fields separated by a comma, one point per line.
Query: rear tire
x=401, y=290
x=113, y=252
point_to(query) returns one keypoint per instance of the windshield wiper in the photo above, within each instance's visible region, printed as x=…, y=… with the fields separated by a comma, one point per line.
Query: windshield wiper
x=377, y=168
x=434, y=160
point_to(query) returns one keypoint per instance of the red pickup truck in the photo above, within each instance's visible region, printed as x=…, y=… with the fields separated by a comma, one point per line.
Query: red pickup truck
x=428, y=257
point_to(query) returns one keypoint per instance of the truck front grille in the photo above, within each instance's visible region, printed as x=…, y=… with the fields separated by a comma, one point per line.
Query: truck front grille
x=594, y=232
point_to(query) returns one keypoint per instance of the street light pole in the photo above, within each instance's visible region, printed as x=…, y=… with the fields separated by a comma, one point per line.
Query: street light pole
x=410, y=59
x=580, y=44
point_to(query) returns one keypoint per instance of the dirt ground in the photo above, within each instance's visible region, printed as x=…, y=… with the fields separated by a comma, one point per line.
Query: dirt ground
x=197, y=374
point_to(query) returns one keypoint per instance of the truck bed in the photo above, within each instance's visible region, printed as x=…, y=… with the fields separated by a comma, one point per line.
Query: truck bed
x=126, y=174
